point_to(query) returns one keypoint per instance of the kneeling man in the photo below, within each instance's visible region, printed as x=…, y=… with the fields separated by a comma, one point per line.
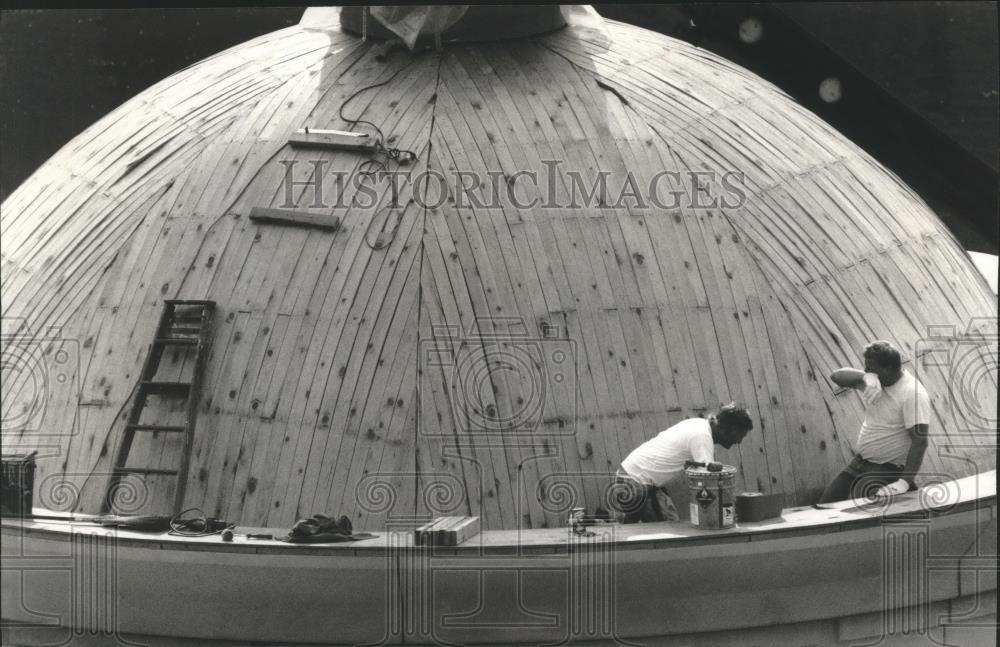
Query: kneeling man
x=655, y=462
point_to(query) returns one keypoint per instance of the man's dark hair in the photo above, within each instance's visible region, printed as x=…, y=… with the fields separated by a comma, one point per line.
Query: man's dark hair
x=884, y=354
x=735, y=417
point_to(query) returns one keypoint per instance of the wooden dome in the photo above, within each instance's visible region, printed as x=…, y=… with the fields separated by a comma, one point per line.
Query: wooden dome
x=455, y=358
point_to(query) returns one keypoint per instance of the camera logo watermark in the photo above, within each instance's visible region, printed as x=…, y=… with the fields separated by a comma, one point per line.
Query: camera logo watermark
x=39, y=372
x=500, y=378
x=966, y=363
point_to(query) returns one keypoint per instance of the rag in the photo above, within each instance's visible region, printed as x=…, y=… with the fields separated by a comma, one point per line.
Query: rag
x=320, y=528
x=872, y=388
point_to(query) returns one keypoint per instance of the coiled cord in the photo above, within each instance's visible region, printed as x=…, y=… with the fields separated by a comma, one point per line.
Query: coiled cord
x=197, y=526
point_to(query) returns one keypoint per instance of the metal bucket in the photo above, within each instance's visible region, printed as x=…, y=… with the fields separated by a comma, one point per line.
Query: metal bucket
x=712, y=500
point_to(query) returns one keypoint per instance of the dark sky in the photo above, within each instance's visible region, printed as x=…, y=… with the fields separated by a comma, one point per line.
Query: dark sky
x=62, y=70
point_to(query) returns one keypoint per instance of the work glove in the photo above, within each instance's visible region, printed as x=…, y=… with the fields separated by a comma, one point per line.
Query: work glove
x=896, y=487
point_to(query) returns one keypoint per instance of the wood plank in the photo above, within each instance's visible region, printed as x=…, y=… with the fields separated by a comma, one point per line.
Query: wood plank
x=264, y=215
x=316, y=139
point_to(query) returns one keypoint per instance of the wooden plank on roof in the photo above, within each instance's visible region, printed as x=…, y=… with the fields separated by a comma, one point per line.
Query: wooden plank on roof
x=265, y=215
x=333, y=140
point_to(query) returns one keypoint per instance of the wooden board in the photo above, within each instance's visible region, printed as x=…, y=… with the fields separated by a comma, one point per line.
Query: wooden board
x=293, y=219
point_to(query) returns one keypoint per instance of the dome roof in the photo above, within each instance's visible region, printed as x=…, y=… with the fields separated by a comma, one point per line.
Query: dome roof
x=498, y=341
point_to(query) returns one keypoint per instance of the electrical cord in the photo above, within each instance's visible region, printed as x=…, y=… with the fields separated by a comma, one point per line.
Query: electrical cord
x=198, y=526
x=382, y=156
x=383, y=240
x=383, y=153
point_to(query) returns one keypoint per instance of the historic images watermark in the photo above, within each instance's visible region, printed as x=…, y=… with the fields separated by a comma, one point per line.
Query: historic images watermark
x=312, y=184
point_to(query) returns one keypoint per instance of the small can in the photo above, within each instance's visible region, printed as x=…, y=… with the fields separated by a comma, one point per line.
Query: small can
x=575, y=517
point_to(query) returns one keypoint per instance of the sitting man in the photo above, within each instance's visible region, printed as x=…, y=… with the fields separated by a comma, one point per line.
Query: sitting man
x=893, y=436
x=655, y=462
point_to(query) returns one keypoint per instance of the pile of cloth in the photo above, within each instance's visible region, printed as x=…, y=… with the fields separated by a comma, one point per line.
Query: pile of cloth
x=319, y=529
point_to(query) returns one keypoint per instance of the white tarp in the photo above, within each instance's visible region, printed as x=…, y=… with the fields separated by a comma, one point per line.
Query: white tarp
x=409, y=22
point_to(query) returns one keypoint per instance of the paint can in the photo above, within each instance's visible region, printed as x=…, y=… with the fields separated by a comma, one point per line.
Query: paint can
x=712, y=500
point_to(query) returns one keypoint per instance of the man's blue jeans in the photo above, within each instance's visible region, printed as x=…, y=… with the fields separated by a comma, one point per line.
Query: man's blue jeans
x=860, y=479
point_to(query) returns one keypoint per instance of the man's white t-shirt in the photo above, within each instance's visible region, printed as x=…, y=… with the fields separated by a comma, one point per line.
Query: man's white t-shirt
x=888, y=415
x=662, y=457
